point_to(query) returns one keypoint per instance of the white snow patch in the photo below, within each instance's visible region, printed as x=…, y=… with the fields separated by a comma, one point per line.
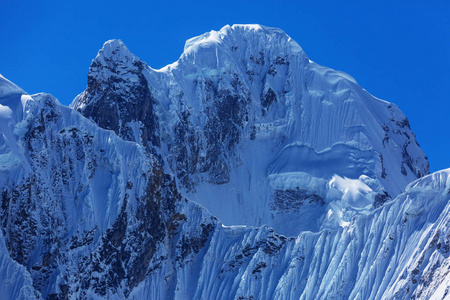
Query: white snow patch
x=356, y=193
x=5, y=112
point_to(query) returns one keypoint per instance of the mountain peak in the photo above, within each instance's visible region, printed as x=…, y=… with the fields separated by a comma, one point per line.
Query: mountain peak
x=113, y=60
x=253, y=33
x=114, y=52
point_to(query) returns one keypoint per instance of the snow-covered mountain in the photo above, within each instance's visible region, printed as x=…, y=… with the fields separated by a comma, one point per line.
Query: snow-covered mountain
x=253, y=130
x=126, y=193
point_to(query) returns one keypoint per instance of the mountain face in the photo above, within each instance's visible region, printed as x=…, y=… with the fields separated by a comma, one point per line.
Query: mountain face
x=255, y=131
x=242, y=171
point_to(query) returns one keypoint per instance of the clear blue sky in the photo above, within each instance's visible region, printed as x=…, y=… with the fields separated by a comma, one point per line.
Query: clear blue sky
x=397, y=50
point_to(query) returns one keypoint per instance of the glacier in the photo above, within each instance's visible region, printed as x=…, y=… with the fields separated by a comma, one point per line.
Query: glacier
x=242, y=171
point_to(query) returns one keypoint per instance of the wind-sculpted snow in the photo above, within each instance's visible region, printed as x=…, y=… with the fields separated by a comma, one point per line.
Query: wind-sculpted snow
x=242, y=106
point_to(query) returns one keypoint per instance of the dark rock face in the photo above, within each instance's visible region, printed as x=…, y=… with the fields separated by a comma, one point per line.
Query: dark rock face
x=208, y=149
x=267, y=99
x=128, y=246
x=33, y=216
x=270, y=246
x=381, y=198
x=222, y=132
x=186, y=151
x=402, y=128
x=121, y=104
x=193, y=244
x=293, y=200
x=409, y=162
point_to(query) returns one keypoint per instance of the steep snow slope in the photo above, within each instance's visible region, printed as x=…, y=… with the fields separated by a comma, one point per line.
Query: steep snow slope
x=86, y=215
x=399, y=251
x=255, y=131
